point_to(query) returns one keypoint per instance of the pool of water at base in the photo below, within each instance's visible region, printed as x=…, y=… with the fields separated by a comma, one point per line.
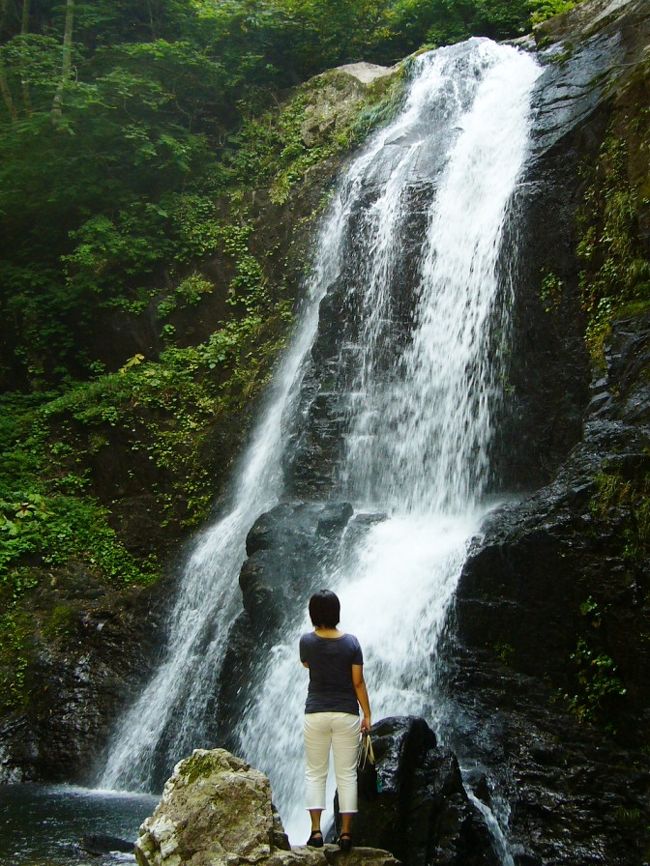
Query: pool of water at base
x=44, y=825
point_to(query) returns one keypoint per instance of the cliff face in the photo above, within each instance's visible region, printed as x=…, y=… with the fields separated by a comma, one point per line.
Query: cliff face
x=142, y=452
x=549, y=659
x=547, y=656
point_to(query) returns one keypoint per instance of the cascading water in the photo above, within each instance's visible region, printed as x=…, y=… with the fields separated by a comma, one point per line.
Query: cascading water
x=420, y=415
x=421, y=402
x=171, y=716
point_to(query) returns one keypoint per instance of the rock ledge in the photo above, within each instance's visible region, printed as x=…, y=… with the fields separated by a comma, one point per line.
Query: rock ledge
x=216, y=810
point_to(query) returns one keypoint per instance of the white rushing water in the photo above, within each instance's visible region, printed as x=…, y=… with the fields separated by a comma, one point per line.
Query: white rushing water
x=167, y=719
x=420, y=427
x=422, y=404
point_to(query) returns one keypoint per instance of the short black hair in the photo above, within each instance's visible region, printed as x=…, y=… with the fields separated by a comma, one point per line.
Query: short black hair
x=325, y=609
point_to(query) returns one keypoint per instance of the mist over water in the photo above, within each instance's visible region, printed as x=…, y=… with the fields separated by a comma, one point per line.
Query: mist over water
x=421, y=408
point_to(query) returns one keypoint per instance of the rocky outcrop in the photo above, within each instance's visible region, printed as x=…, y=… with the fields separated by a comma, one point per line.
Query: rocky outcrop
x=337, y=96
x=550, y=669
x=82, y=674
x=216, y=810
x=548, y=677
x=422, y=813
x=289, y=550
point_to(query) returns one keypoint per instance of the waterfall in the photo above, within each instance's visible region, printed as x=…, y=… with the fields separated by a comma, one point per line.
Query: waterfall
x=421, y=405
x=422, y=415
x=172, y=715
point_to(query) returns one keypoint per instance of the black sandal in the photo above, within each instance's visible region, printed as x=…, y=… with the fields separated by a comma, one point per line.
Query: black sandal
x=316, y=839
x=345, y=842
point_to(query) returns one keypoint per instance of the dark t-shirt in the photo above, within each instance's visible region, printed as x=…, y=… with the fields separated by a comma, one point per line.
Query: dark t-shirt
x=330, y=661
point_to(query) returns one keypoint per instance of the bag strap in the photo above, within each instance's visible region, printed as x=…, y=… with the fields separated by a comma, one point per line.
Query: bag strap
x=367, y=755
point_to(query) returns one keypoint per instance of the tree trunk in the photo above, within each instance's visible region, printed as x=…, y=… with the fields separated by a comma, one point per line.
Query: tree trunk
x=24, y=30
x=57, y=103
x=152, y=24
x=6, y=93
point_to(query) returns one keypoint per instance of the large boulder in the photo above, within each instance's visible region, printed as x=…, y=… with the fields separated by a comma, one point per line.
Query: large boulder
x=289, y=550
x=216, y=810
x=286, y=547
x=422, y=813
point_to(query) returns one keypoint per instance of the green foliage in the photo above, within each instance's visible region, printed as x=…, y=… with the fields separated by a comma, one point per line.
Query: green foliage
x=550, y=292
x=541, y=10
x=596, y=674
x=628, y=501
x=46, y=518
x=615, y=272
x=188, y=293
x=165, y=112
x=157, y=414
x=59, y=622
x=597, y=677
x=504, y=652
x=15, y=658
x=629, y=817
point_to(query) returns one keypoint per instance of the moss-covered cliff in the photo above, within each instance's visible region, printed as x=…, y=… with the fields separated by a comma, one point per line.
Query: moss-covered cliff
x=102, y=480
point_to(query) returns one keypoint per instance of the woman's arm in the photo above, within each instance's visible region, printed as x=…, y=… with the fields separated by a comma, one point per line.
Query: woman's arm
x=362, y=696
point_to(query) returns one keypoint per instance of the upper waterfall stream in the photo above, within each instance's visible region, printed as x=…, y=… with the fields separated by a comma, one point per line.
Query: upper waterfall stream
x=421, y=407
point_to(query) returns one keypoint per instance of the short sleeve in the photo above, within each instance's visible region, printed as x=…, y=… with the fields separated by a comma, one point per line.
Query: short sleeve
x=303, y=648
x=357, y=657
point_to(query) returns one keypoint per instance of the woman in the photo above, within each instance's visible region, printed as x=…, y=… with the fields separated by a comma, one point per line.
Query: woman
x=336, y=688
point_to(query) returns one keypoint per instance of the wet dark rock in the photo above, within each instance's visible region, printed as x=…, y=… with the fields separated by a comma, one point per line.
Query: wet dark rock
x=316, y=450
x=548, y=673
x=334, y=518
x=549, y=588
x=588, y=64
x=422, y=813
x=286, y=548
x=85, y=677
x=100, y=843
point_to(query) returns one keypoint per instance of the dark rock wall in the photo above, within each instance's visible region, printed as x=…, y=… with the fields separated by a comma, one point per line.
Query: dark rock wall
x=552, y=637
x=81, y=678
x=548, y=651
x=420, y=810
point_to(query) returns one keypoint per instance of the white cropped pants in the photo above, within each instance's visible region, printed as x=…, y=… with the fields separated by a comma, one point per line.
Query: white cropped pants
x=340, y=731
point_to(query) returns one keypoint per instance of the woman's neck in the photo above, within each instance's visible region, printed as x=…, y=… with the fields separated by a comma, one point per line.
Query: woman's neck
x=323, y=631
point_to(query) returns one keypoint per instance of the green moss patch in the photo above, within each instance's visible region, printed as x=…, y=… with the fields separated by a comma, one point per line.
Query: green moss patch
x=615, y=276
x=325, y=117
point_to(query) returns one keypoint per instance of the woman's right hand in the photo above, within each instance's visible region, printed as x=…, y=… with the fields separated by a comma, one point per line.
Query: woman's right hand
x=366, y=724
